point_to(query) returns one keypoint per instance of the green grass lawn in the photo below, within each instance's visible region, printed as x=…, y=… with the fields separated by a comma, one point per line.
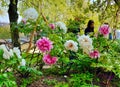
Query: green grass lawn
x=4, y=32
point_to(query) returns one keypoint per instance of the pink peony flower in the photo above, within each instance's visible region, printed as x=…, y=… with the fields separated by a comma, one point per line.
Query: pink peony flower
x=94, y=54
x=44, y=44
x=104, y=30
x=52, y=26
x=48, y=59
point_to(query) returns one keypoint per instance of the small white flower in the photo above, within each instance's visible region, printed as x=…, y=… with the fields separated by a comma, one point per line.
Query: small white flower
x=17, y=52
x=62, y=26
x=30, y=14
x=65, y=51
x=23, y=62
x=71, y=45
x=58, y=66
x=105, y=53
x=9, y=69
x=65, y=76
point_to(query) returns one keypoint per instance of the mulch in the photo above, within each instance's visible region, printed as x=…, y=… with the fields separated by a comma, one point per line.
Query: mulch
x=41, y=83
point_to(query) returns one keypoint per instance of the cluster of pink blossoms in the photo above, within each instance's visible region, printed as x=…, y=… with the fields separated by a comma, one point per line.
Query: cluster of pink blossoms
x=45, y=46
x=48, y=59
x=52, y=26
x=94, y=54
x=104, y=30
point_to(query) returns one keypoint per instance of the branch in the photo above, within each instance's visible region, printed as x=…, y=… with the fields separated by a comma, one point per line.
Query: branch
x=32, y=34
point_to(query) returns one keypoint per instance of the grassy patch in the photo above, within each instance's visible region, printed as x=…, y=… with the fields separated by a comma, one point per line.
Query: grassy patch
x=4, y=32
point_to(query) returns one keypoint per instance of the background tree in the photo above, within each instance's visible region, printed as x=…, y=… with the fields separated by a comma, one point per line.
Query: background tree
x=108, y=11
x=13, y=16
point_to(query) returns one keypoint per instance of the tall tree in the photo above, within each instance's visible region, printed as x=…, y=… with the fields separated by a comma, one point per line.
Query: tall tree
x=13, y=17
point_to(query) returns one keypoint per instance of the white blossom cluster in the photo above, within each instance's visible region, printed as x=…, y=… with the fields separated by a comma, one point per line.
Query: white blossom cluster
x=9, y=53
x=30, y=14
x=62, y=26
x=85, y=43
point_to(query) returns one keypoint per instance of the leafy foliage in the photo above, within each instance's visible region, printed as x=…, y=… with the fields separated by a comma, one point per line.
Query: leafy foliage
x=83, y=80
x=7, y=79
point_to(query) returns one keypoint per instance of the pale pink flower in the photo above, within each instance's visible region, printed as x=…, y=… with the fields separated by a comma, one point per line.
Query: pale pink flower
x=104, y=30
x=41, y=30
x=48, y=59
x=24, y=21
x=94, y=54
x=44, y=44
x=52, y=26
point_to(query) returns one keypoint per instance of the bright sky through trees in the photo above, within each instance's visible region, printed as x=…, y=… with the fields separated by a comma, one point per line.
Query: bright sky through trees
x=4, y=18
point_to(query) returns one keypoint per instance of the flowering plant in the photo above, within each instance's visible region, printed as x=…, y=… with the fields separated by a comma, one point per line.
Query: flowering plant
x=52, y=26
x=48, y=59
x=30, y=14
x=104, y=30
x=69, y=53
x=71, y=45
x=10, y=57
x=62, y=26
x=44, y=45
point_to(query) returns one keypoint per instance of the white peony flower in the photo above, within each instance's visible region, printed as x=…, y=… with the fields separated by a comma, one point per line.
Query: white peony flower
x=87, y=49
x=85, y=43
x=84, y=40
x=23, y=62
x=62, y=26
x=3, y=47
x=17, y=52
x=11, y=52
x=7, y=54
x=71, y=45
x=30, y=14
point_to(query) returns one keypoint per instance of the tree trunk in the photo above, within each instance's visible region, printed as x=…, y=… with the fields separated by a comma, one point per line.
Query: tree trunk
x=117, y=2
x=13, y=17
